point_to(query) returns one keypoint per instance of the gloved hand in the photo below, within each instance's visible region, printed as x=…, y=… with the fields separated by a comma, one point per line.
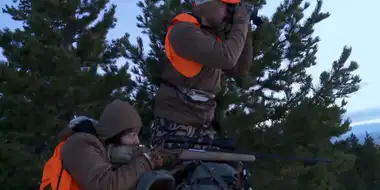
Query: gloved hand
x=164, y=158
x=120, y=154
x=158, y=158
x=242, y=13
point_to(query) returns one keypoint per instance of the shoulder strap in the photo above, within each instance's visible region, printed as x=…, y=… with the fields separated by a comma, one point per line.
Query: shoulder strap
x=186, y=17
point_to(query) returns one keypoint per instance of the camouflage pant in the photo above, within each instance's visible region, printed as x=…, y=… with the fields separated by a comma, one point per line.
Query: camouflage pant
x=163, y=128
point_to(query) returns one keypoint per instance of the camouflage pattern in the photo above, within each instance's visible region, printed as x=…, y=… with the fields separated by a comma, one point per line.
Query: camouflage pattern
x=163, y=128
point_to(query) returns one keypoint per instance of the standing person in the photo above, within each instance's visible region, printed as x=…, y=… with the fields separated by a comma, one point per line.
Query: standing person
x=82, y=161
x=199, y=54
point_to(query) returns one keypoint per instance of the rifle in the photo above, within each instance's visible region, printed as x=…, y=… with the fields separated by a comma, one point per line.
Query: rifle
x=229, y=144
x=204, y=155
x=163, y=179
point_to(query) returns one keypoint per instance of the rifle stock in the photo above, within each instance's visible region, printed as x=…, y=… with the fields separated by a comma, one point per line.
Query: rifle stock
x=195, y=154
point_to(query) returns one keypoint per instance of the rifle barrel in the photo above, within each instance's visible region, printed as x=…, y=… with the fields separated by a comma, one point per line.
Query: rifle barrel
x=194, y=154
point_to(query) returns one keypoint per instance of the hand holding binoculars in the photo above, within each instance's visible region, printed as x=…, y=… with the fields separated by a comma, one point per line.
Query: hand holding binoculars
x=254, y=18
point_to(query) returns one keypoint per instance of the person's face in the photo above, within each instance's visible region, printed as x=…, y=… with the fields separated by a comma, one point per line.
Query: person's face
x=214, y=12
x=221, y=12
x=131, y=138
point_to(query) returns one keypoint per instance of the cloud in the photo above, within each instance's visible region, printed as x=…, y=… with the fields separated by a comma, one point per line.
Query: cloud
x=364, y=115
x=360, y=123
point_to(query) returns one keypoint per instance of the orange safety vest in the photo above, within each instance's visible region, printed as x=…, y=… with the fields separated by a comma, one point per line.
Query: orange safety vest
x=184, y=66
x=54, y=177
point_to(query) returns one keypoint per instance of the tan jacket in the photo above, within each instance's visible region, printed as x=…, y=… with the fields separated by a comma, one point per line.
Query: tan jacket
x=85, y=157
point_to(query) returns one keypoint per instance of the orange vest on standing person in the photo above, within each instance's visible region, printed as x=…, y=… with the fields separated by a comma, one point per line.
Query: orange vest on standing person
x=54, y=176
x=184, y=66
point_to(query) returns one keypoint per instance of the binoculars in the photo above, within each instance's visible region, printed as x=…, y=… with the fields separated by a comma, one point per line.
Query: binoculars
x=256, y=20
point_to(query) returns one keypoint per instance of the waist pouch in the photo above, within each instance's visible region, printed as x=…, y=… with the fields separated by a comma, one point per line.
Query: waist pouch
x=197, y=95
x=194, y=98
x=197, y=99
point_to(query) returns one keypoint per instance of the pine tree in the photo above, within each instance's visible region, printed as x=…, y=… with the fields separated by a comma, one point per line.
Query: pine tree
x=51, y=73
x=348, y=180
x=278, y=108
x=365, y=172
x=367, y=165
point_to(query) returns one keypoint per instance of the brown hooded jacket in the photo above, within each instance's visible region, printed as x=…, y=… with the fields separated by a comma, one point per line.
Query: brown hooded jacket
x=85, y=157
x=233, y=57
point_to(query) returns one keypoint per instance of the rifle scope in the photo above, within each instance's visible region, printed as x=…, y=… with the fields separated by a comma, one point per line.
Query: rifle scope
x=223, y=143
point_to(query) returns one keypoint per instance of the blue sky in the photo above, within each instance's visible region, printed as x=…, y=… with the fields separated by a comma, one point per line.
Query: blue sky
x=351, y=23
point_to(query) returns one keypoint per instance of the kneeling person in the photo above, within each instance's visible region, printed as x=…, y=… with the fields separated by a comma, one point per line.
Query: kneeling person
x=82, y=161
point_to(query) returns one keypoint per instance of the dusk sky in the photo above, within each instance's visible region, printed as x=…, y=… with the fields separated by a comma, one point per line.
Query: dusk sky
x=353, y=23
